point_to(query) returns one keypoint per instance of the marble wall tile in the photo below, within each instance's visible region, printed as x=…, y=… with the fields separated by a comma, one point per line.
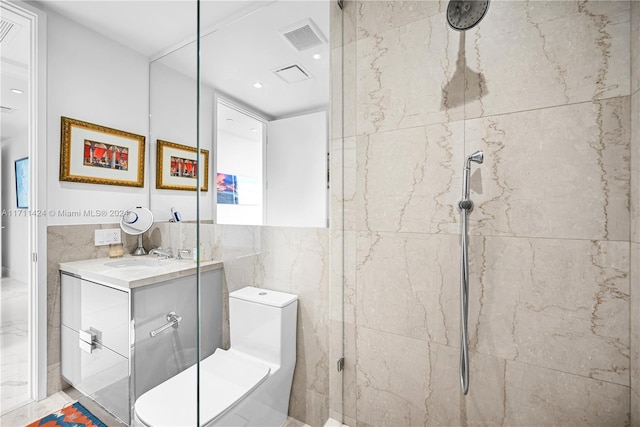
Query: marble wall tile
x=415, y=277
x=635, y=409
x=375, y=17
x=310, y=407
x=635, y=167
x=558, y=304
x=393, y=375
x=538, y=396
x=559, y=172
x=400, y=85
x=635, y=46
x=485, y=403
x=569, y=51
x=409, y=180
x=635, y=318
x=343, y=184
x=350, y=90
x=350, y=374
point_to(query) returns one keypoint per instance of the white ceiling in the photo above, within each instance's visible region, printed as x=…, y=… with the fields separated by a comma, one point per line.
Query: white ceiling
x=236, y=56
x=243, y=45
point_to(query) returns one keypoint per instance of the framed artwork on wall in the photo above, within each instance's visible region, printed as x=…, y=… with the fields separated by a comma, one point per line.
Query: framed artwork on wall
x=22, y=183
x=177, y=167
x=97, y=154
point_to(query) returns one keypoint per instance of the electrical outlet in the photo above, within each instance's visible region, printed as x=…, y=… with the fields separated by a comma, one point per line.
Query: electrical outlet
x=112, y=235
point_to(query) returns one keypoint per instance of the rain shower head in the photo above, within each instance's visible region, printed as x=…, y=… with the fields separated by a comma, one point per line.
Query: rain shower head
x=466, y=14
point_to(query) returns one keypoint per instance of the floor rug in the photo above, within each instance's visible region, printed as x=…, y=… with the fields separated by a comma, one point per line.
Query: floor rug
x=74, y=415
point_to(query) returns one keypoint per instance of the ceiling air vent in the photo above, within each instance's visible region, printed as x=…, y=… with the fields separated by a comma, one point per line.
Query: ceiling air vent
x=292, y=73
x=304, y=35
x=7, y=30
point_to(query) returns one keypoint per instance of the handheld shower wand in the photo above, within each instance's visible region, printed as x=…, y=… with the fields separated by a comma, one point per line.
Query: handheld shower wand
x=465, y=206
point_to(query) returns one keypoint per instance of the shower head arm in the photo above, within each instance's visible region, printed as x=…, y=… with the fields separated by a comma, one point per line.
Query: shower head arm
x=476, y=157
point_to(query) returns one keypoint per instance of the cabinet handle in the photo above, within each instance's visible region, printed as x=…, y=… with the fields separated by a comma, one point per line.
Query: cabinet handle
x=173, y=320
x=86, y=341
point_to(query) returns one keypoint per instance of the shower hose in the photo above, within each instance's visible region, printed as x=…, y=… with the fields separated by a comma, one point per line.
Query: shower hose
x=464, y=304
x=465, y=206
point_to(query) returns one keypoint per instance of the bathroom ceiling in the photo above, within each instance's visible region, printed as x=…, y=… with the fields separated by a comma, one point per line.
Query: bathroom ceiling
x=243, y=44
x=150, y=27
x=237, y=56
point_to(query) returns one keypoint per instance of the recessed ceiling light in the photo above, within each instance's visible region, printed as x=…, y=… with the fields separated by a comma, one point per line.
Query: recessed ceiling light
x=229, y=119
x=18, y=91
x=257, y=85
x=316, y=56
x=254, y=130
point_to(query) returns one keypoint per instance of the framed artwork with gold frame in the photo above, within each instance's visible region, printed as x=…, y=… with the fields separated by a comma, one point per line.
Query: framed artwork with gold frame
x=177, y=167
x=97, y=154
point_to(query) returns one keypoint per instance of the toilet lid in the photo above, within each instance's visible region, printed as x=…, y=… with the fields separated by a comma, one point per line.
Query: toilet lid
x=225, y=378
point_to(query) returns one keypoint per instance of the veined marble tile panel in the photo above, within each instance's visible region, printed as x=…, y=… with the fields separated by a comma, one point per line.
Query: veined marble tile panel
x=635, y=47
x=484, y=405
x=343, y=184
x=393, y=375
x=350, y=373
x=635, y=166
x=635, y=409
x=635, y=318
x=310, y=407
x=410, y=76
x=375, y=17
x=297, y=260
x=559, y=172
x=538, y=396
x=349, y=89
x=536, y=54
x=408, y=285
x=557, y=304
x=409, y=180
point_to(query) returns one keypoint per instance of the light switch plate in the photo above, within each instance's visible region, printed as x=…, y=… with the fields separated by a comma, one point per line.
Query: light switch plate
x=99, y=238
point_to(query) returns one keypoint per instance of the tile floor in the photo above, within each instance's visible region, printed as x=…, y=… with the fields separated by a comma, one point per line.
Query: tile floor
x=14, y=347
x=35, y=410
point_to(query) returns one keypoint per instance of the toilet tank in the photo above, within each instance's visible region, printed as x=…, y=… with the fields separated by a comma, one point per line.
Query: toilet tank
x=262, y=323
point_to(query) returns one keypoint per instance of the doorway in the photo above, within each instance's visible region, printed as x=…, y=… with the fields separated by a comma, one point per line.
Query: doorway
x=22, y=280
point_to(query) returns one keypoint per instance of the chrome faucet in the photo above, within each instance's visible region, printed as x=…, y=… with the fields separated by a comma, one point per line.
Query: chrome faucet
x=179, y=253
x=161, y=253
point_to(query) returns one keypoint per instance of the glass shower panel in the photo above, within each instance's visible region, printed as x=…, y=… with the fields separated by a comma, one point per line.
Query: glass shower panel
x=275, y=67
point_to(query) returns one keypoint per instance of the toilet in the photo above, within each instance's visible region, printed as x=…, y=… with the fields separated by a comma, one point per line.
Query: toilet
x=247, y=385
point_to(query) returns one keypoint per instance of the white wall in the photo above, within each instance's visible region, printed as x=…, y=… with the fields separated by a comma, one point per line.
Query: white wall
x=93, y=79
x=15, y=243
x=297, y=171
x=173, y=118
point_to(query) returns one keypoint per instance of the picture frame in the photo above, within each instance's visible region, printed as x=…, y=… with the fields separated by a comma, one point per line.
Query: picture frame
x=22, y=183
x=176, y=167
x=95, y=154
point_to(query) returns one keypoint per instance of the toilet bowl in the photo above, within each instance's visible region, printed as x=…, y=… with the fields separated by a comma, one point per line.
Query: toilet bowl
x=247, y=385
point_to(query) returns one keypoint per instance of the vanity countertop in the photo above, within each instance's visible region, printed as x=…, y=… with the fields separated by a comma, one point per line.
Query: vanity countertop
x=131, y=272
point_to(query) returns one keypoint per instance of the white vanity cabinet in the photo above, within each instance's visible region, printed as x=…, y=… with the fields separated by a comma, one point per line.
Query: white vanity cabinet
x=108, y=314
x=95, y=341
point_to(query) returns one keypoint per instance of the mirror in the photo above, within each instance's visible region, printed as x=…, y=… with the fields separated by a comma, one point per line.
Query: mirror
x=263, y=104
x=136, y=221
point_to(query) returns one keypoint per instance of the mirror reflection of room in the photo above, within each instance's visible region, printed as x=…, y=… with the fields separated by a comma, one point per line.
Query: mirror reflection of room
x=264, y=96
